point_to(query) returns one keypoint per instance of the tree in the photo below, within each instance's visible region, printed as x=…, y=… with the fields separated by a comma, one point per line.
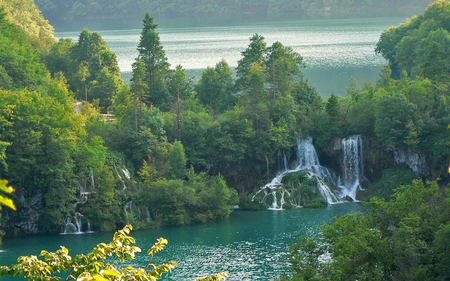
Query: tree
x=176, y=160
x=27, y=16
x=283, y=66
x=254, y=54
x=215, y=88
x=154, y=66
x=93, y=73
x=180, y=88
x=400, y=239
x=397, y=122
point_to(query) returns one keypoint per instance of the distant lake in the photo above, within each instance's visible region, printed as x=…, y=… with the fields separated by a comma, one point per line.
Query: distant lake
x=333, y=50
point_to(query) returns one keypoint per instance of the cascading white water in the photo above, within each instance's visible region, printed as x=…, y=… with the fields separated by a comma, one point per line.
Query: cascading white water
x=73, y=228
x=307, y=161
x=353, y=167
x=149, y=218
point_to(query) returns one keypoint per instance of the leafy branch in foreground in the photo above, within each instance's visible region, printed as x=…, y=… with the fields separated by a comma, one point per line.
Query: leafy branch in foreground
x=95, y=265
x=5, y=200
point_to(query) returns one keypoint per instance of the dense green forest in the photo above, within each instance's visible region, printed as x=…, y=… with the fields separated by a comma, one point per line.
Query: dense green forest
x=231, y=11
x=80, y=144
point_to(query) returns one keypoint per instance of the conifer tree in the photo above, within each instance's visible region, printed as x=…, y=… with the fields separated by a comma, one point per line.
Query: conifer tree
x=151, y=66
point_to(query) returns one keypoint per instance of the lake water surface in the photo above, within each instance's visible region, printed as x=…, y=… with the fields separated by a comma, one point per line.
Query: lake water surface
x=250, y=245
x=333, y=50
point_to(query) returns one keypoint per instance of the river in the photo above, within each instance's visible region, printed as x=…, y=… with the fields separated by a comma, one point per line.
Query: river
x=333, y=49
x=250, y=245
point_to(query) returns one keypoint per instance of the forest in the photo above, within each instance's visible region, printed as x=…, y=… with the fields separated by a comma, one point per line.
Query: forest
x=80, y=144
x=230, y=11
x=77, y=142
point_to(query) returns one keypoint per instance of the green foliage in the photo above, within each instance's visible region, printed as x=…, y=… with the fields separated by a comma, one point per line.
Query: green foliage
x=90, y=67
x=397, y=122
x=201, y=198
x=400, y=239
x=420, y=45
x=101, y=264
x=254, y=54
x=389, y=181
x=176, y=160
x=151, y=67
x=20, y=66
x=215, y=88
x=27, y=16
x=303, y=191
x=5, y=201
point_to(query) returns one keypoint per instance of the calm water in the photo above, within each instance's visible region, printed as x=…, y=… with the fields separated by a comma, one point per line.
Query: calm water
x=334, y=50
x=250, y=245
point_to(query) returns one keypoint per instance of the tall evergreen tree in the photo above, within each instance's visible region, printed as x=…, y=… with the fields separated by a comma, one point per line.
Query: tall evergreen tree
x=151, y=66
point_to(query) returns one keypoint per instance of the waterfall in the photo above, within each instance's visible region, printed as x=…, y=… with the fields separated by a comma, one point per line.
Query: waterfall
x=353, y=167
x=78, y=222
x=307, y=161
x=92, y=179
x=126, y=173
x=89, y=227
x=149, y=218
x=73, y=228
x=285, y=162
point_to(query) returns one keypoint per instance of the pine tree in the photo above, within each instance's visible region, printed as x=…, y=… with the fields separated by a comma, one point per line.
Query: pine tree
x=151, y=66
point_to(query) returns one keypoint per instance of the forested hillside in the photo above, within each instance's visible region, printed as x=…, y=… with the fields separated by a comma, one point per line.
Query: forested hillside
x=26, y=15
x=224, y=10
x=84, y=148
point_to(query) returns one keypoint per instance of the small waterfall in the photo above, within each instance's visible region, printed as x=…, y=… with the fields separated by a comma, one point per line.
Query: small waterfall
x=353, y=167
x=149, y=218
x=139, y=213
x=89, y=227
x=78, y=222
x=128, y=215
x=285, y=162
x=126, y=173
x=92, y=179
x=73, y=228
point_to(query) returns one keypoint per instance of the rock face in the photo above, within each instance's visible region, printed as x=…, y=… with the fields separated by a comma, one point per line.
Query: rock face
x=377, y=159
x=29, y=211
x=413, y=159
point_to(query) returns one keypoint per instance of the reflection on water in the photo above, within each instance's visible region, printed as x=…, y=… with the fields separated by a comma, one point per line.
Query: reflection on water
x=332, y=49
x=250, y=245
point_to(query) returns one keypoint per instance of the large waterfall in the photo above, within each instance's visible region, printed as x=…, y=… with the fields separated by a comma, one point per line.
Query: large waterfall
x=353, y=167
x=330, y=186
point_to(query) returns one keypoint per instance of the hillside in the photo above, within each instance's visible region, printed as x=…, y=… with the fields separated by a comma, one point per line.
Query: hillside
x=117, y=12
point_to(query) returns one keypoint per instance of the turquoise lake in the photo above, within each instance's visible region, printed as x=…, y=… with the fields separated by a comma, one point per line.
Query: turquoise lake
x=250, y=245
